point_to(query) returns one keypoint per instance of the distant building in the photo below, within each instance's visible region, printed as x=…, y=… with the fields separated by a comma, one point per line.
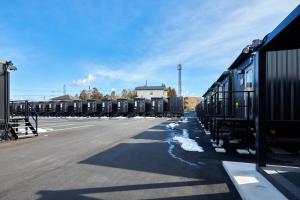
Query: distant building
x=152, y=91
x=65, y=97
x=190, y=103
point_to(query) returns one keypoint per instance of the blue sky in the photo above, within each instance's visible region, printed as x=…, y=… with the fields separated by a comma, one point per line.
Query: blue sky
x=121, y=44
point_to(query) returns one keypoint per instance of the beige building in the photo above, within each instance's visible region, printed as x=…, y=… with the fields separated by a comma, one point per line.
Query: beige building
x=151, y=91
x=190, y=103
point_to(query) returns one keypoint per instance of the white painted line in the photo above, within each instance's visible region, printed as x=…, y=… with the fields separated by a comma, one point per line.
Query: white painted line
x=55, y=130
x=242, y=151
x=249, y=183
x=220, y=150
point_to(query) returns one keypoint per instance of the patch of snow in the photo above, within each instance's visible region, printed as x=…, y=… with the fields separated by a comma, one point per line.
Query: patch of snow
x=187, y=143
x=220, y=150
x=185, y=120
x=172, y=125
x=120, y=117
x=138, y=117
x=242, y=151
x=40, y=130
x=104, y=117
x=149, y=117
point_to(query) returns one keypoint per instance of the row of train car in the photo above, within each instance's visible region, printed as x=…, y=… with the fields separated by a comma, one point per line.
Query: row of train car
x=260, y=89
x=159, y=107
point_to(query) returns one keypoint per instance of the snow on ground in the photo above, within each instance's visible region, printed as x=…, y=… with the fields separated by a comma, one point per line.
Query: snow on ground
x=120, y=117
x=138, y=117
x=40, y=130
x=141, y=117
x=104, y=117
x=172, y=125
x=186, y=143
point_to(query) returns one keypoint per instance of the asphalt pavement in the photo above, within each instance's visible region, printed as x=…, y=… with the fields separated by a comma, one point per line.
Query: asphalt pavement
x=79, y=158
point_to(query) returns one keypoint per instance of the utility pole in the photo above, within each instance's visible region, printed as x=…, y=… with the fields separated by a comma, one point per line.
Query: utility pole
x=179, y=68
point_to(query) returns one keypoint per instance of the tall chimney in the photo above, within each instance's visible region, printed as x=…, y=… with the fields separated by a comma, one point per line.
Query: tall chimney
x=179, y=68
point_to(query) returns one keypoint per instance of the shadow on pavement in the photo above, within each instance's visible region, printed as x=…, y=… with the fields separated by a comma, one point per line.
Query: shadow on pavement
x=153, y=156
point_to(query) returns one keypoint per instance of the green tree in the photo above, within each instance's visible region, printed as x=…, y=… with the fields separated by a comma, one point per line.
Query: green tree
x=84, y=95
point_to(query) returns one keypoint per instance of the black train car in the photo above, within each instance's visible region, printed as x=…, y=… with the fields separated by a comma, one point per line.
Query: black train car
x=264, y=89
x=125, y=107
x=66, y=107
x=159, y=106
x=39, y=107
x=109, y=107
x=98, y=107
x=50, y=108
x=175, y=106
x=91, y=107
x=80, y=107
x=142, y=106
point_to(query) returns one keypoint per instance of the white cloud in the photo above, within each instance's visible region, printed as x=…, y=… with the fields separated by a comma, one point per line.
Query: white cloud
x=199, y=37
x=85, y=81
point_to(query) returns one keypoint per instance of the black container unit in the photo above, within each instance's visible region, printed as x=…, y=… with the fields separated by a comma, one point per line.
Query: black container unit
x=176, y=106
x=159, y=106
x=15, y=108
x=142, y=107
x=57, y=108
x=91, y=107
x=80, y=107
x=109, y=108
x=125, y=107
x=98, y=107
x=283, y=96
x=66, y=107
x=40, y=107
x=50, y=108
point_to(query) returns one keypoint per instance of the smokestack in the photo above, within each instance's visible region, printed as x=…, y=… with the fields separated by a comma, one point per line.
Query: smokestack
x=179, y=68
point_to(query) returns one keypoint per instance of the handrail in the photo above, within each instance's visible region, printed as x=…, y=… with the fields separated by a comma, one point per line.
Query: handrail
x=216, y=105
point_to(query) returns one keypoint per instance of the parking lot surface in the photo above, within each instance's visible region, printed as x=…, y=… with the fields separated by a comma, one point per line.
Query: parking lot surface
x=92, y=158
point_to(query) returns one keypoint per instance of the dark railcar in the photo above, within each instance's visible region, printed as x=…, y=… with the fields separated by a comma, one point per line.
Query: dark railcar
x=50, y=108
x=283, y=95
x=39, y=107
x=66, y=107
x=109, y=107
x=142, y=106
x=91, y=107
x=98, y=107
x=125, y=107
x=176, y=106
x=159, y=106
x=80, y=107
